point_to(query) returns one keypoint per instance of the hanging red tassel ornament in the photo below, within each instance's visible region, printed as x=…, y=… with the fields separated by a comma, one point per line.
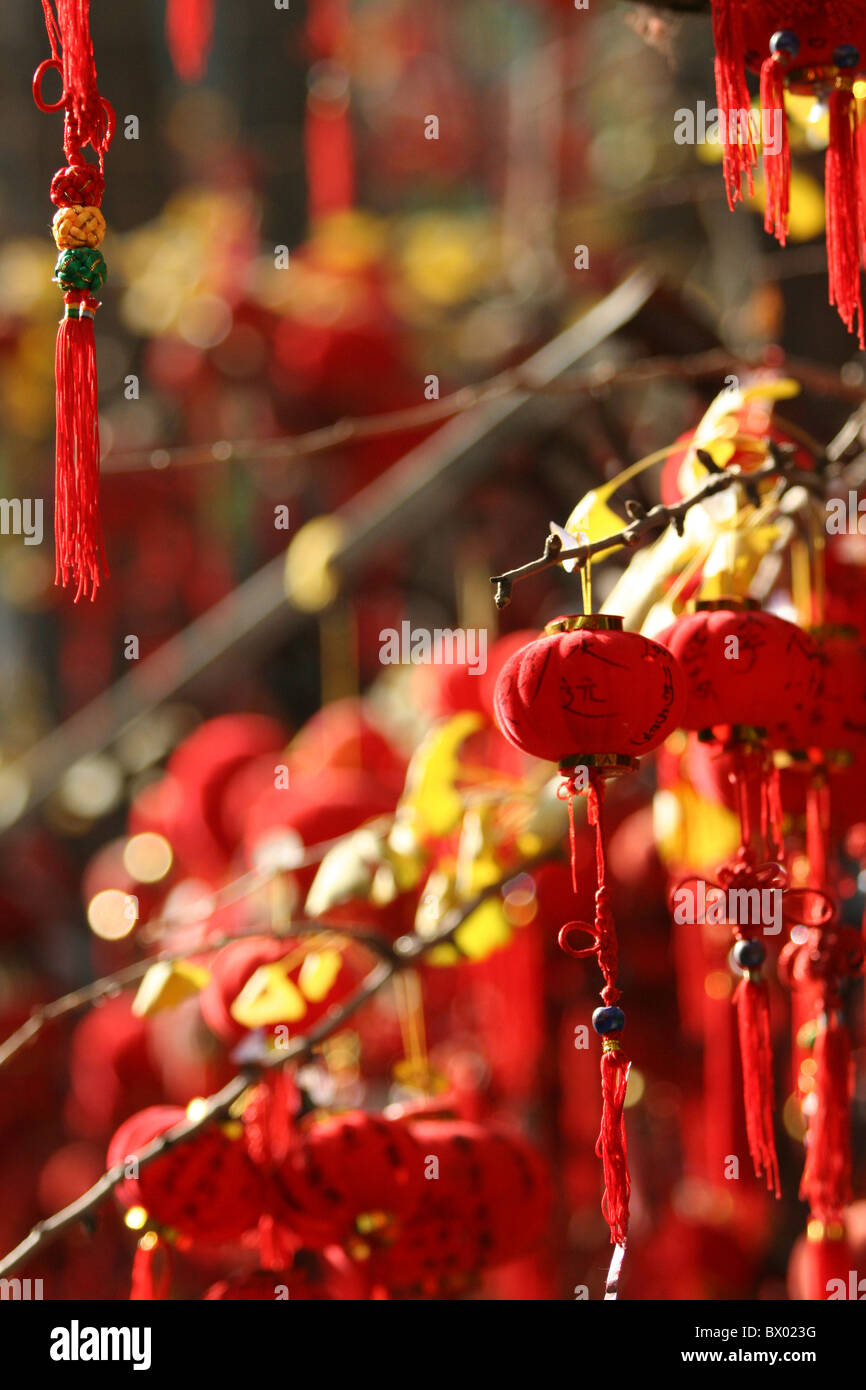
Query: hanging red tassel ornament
x=188, y=32
x=804, y=47
x=749, y=675
x=594, y=698
x=817, y=963
x=79, y=228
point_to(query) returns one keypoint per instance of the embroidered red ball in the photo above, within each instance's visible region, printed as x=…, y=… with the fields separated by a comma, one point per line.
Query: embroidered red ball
x=207, y=1188
x=743, y=666
x=587, y=687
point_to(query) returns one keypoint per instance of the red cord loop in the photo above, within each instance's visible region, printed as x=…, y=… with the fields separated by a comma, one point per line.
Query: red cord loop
x=38, y=77
x=579, y=953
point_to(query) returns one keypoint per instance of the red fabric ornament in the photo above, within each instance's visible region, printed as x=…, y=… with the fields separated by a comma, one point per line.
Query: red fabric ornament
x=743, y=666
x=88, y=119
x=818, y=966
x=235, y=964
x=800, y=46
x=317, y=811
x=349, y=1177
x=202, y=769
x=188, y=31
x=581, y=689
x=111, y=1070
x=836, y=719
x=488, y=1204
x=208, y=1189
x=593, y=697
x=342, y=735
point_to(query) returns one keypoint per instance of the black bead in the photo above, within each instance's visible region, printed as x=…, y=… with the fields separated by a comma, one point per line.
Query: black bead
x=785, y=41
x=609, y=1019
x=847, y=55
x=750, y=954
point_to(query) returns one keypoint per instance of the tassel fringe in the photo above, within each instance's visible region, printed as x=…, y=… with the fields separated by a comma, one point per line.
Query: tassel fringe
x=844, y=214
x=776, y=150
x=611, y=1146
x=753, y=1022
x=732, y=98
x=78, y=531
x=826, y=1182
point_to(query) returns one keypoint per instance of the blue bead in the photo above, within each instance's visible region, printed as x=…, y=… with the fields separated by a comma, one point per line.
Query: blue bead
x=608, y=1020
x=785, y=41
x=749, y=955
x=846, y=56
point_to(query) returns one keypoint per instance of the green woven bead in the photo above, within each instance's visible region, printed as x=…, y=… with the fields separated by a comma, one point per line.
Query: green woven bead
x=80, y=268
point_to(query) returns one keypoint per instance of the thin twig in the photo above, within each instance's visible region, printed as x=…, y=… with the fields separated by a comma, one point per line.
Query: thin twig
x=645, y=524
x=406, y=950
x=78, y=999
x=579, y=384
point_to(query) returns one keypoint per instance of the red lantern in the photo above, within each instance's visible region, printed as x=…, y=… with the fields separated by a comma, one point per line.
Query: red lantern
x=316, y=810
x=236, y=964
x=488, y=1202
x=593, y=697
x=804, y=46
x=746, y=668
x=743, y=667
x=208, y=1189
x=586, y=687
x=836, y=720
x=349, y=1178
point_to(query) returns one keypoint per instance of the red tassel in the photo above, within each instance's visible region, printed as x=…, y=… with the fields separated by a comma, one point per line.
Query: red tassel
x=78, y=540
x=268, y=1119
x=753, y=1022
x=732, y=97
x=88, y=119
x=826, y=1182
x=860, y=139
x=151, y=1270
x=844, y=214
x=611, y=1146
x=777, y=162
x=188, y=31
